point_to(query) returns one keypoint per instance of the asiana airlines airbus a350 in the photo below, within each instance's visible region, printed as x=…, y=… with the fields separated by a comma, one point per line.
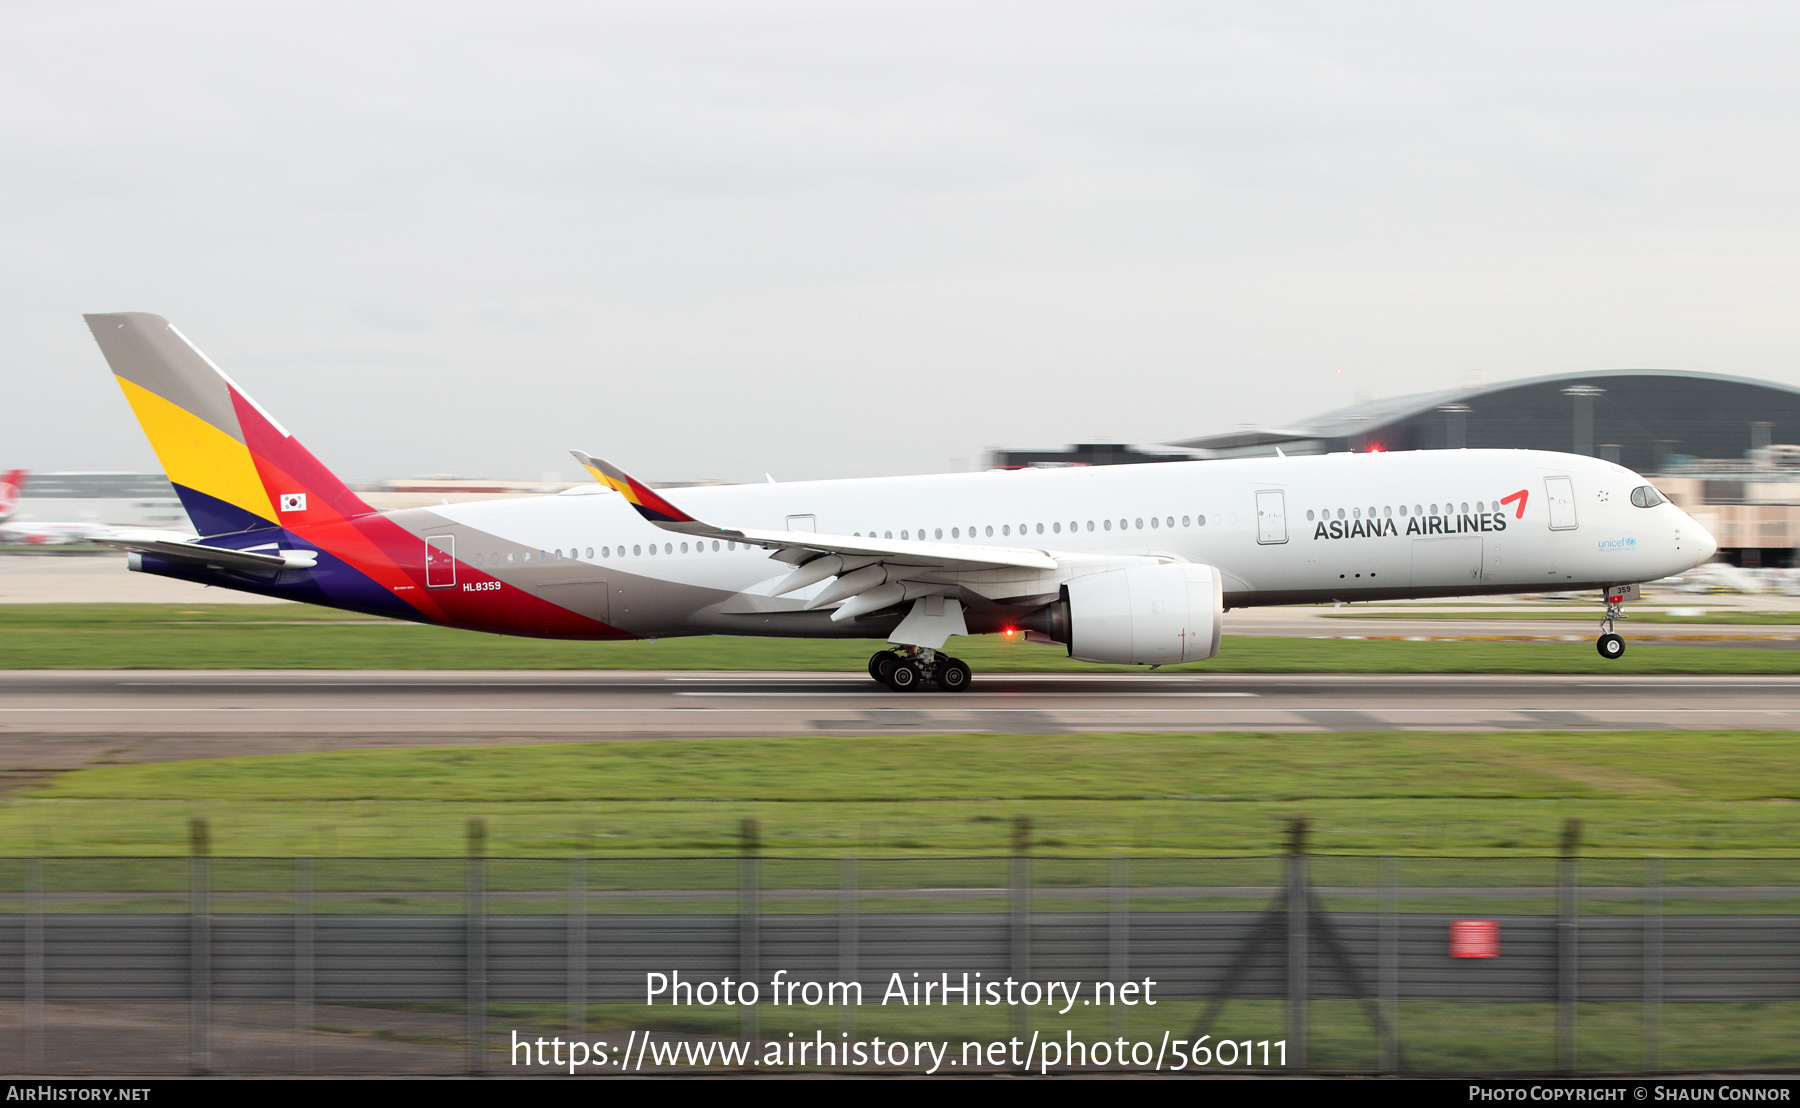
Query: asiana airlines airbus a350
x=1123, y=564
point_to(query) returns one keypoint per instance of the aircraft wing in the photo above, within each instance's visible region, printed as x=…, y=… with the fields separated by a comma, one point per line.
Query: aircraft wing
x=945, y=555
x=871, y=574
x=798, y=547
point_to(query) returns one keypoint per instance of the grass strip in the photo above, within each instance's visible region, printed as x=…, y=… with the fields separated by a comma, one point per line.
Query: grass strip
x=1410, y=793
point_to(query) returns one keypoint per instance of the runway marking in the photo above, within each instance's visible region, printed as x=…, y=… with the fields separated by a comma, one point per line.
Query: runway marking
x=1770, y=684
x=382, y=684
x=1033, y=696
x=947, y=700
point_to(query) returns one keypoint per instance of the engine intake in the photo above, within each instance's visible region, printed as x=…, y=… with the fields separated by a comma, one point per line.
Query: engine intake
x=1149, y=615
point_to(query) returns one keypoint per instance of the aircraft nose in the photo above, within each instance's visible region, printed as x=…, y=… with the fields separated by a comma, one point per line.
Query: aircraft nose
x=1707, y=546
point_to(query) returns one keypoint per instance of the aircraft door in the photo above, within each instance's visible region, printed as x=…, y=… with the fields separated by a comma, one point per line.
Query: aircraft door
x=440, y=561
x=1560, y=496
x=803, y=523
x=1271, y=517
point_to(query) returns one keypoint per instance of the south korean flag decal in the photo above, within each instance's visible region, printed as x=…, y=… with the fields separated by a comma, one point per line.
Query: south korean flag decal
x=293, y=502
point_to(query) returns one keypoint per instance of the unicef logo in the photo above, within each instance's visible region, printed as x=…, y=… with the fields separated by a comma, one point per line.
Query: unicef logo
x=1617, y=544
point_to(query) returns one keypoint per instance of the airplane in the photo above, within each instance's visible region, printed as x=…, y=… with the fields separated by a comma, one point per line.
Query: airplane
x=1132, y=564
x=32, y=532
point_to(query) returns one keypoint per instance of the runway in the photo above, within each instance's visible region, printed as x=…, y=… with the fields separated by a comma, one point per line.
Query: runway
x=56, y=720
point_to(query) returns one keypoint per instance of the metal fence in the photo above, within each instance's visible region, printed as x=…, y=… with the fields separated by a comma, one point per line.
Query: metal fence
x=252, y=965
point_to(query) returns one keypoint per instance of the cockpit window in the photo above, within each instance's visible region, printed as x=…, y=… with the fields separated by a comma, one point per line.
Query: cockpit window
x=1646, y=497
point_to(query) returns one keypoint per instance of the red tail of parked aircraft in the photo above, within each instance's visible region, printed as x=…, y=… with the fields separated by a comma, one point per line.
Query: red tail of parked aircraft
x=10, y=486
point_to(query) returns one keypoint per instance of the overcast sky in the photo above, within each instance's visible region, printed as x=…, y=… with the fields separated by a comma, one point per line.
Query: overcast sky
x=834, y=239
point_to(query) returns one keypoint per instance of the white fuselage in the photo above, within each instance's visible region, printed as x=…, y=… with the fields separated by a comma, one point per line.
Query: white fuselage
x=1281, y=530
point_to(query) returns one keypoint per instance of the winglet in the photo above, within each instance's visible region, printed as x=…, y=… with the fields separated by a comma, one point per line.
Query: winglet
x=649, y=505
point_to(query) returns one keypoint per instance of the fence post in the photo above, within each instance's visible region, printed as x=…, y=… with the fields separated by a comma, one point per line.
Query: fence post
x=475, y=944
x=749, y=925
x=1021, y=911
x=1297, y=903
x=849, y=905
x=1390, y=961
x=1653, y=962
x=34, y=963
x=1567, y=909
x=303, y=965
x=1118, y=936
x=577, y=941
x=199, y=946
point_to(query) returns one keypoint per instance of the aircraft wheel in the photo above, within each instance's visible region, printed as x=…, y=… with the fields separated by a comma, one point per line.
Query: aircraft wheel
x=903, y=675
x=880, y=659
x=1610, y=646
x=953, y=675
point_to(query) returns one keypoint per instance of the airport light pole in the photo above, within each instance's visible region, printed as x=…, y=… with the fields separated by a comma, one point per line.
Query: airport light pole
x=1584, y=395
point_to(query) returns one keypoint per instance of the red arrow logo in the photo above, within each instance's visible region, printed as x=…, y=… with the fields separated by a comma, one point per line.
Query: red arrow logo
x=1521, y=496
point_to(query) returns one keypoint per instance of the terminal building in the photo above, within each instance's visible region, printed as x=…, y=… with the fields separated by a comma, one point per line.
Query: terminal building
x=1726, y=449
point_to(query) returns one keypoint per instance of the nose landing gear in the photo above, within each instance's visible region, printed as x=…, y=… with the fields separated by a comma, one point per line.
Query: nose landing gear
x=1610, y=645
x=906, y=669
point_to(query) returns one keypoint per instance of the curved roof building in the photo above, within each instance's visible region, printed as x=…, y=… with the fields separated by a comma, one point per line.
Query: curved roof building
x=1645, y=419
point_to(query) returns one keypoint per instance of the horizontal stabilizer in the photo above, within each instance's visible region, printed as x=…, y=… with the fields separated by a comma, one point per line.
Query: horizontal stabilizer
x=175, y=548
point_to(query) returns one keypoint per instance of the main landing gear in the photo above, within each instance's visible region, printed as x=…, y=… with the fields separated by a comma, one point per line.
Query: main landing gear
x=907, y=668
x=1610, y=645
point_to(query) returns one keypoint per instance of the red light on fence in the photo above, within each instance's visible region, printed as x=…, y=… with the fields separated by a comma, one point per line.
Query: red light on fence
x=1474, y=938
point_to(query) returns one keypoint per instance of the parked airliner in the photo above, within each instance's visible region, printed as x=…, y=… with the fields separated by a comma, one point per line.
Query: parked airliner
x=35, y=532
x=1127, y=564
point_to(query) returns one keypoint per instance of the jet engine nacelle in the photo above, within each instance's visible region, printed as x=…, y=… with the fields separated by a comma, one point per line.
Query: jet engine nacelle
x=1148, y=615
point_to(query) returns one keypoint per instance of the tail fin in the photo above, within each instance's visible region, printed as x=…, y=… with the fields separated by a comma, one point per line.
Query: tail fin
x=234, y=467
x=11, y=484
